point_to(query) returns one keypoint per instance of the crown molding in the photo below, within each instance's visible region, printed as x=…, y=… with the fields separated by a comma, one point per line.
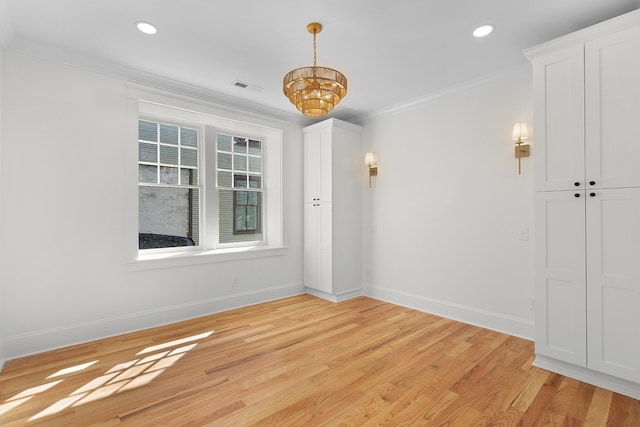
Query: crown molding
x=421, y=101
x=149, y=79
x=209, y=95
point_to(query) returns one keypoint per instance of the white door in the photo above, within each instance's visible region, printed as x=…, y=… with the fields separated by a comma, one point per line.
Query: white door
x=560, y=276
x=613, y=281
x=558, y=81
x=612, y=108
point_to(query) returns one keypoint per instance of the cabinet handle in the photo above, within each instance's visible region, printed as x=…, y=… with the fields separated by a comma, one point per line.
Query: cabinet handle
x=592, y=194
x=576, y=195
x=592, y=183
x=577, y=184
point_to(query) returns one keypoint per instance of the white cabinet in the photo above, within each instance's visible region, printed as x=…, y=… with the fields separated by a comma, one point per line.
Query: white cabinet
x=587, y=175
x=333, y=164
x=588, y=279
x=586, y=101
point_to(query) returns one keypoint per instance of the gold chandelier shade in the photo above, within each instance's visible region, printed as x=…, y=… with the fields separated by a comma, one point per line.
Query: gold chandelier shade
x=315, y=91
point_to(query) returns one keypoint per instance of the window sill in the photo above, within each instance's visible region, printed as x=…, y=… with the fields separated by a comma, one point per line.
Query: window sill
x=179, y=259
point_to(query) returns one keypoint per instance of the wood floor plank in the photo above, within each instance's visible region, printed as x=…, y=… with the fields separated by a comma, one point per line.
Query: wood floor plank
x=304, y=361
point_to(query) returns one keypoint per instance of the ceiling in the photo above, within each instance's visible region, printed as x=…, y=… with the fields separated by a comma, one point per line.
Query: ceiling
x=393, y=53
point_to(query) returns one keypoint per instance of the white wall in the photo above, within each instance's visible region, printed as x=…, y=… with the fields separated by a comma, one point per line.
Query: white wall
x=3, y=299
x=65, y=192
x=441, y=226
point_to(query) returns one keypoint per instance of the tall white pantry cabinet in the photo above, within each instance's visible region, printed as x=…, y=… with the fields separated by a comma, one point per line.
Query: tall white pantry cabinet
x=587, y=220
x=333, y=170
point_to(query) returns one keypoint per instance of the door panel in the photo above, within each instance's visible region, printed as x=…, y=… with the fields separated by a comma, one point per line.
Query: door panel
x=613, y=281
x=311, y=245
x=560, y=276
x=612, y=108
x=325, y=262
x=559, y=119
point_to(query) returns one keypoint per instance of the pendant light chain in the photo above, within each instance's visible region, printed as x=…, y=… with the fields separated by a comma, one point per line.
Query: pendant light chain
x=314, y=48
x=314, y=53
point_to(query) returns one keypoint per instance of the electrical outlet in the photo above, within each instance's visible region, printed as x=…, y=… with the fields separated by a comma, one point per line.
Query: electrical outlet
x=234, y=281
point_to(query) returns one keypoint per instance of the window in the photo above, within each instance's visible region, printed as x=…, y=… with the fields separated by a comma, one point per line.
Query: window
x=168, y=185
x=239, y=166
x=209, y=187
x=247, y=207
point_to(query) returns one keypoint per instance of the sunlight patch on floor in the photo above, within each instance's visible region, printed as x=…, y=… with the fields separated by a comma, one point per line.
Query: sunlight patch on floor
x=27, y=394
x=12, y=403
x=174, y=343
x=72, y=369
x=122, y=377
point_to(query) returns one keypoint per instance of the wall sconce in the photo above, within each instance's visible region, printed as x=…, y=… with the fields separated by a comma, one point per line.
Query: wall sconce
x=520, y=133
x=373, y=168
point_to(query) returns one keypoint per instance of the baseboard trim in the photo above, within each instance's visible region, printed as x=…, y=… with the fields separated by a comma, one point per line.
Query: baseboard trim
x=339, y=297
x=598, y=379
x=498, y=322
x=50, y=339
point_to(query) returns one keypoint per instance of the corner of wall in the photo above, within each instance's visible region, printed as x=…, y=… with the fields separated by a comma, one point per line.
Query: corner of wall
x=2, y=298
x=498, y=322
x=1, y=356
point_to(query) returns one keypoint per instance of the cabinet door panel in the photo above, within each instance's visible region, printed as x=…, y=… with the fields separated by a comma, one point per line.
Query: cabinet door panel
x=613, y=282
x=560, y=276
x=311, y=245
x=559, y=119
x=325, y=262
x=318, y=246
x=317, y=165
x=612, y=108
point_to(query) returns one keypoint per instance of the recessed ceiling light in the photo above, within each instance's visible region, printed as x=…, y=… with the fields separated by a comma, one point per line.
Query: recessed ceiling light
x=483, y=30
x=146, y=28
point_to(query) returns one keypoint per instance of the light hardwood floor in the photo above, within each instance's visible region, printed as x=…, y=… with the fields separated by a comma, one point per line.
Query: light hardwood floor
x=303, y=361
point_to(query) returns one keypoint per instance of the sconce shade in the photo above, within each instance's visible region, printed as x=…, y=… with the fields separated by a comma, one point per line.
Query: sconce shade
x=368, y=158
x=520, y=131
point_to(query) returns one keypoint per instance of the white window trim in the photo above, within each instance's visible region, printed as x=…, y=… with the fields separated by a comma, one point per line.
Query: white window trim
x=152, y=104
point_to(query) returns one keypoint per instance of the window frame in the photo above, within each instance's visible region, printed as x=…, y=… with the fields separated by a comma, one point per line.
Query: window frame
x=240, y=172
x=199, y=175
x=158, y=107
x=257, y=206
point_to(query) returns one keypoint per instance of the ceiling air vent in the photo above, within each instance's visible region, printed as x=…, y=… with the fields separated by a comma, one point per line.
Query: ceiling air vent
x=243, y=85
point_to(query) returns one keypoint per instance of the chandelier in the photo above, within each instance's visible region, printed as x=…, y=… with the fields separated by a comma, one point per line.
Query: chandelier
x=315, y=90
